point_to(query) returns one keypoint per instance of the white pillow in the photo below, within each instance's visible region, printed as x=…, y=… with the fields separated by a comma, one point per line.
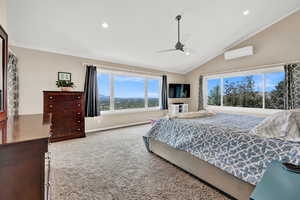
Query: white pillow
x=282, y=125
x=297, y=116
x=191, y=115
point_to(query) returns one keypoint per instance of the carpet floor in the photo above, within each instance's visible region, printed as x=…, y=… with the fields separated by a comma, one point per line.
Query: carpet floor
x=114, y=165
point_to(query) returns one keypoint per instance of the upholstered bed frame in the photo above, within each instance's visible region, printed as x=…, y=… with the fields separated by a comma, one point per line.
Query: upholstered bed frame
x=212, y=175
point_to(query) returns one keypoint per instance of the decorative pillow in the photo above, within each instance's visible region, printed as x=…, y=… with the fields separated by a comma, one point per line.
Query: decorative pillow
x=282, y=125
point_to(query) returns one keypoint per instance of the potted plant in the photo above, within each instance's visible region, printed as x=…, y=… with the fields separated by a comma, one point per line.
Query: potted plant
x=65, y=85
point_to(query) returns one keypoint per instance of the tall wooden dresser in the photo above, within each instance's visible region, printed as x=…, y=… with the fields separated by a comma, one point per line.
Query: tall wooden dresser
x=23, y=145
x=67, y=109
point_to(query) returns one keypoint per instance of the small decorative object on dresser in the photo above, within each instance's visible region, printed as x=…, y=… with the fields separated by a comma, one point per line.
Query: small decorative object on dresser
x=67, y=109
x=65, y=85
x=64, y=76
x=64, y=81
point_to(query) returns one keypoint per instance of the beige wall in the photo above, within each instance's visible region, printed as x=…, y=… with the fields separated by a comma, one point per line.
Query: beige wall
x=38, y=71
x=3, y=13
x=277, y=44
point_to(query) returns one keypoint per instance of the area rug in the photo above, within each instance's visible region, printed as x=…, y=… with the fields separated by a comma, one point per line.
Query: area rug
x=114, y=165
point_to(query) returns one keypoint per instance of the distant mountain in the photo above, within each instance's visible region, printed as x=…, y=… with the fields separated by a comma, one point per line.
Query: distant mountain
x=103, y=97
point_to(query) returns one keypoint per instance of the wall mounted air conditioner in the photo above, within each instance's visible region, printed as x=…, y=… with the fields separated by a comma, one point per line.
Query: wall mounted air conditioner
x=238, y=53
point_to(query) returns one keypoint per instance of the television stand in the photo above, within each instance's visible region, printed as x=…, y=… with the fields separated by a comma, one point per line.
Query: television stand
x=178, y=108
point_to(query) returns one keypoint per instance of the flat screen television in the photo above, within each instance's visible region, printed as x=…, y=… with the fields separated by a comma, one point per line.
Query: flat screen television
x=179, y=90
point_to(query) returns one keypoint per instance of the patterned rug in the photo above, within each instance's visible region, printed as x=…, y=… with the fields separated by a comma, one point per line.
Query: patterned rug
x=114, y=165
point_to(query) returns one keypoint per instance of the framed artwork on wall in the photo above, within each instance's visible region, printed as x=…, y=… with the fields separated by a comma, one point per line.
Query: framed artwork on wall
x=64, y=76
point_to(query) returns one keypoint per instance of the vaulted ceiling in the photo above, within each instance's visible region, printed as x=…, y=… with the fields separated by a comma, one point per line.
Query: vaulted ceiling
x=137, y=29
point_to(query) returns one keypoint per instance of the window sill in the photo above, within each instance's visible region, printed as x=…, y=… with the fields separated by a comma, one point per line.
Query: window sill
x=261, y=111
x=126, y=111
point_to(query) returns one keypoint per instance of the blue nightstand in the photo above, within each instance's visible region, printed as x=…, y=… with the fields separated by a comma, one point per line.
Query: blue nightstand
x=278, y=184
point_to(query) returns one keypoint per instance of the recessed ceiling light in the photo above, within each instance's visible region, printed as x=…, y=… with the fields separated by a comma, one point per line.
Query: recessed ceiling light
x=246, y=12
x=187, y=53
x=105, y=25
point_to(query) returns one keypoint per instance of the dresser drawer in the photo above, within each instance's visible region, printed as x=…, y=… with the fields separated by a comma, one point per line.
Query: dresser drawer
x=68, y=105
x=78, y=104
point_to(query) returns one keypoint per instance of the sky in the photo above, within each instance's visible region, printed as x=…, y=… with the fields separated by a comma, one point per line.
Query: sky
x=272, y=80
x=128, y=87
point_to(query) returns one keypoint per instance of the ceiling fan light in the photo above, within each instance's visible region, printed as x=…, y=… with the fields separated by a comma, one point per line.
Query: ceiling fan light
x=246, y=12
x=105, y=25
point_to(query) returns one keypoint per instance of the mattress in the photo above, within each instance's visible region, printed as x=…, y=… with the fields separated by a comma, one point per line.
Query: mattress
x=224, y=141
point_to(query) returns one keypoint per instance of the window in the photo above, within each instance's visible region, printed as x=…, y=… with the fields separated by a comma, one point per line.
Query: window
x=129, y=92
x=104, y=91
x=243, y=91
x=254, y=89
x=274, y=93
x=214, y=92
x=122, y=91
x=153, y=92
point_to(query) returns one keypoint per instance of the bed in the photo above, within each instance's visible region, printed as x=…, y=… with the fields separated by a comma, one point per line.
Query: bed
x=219, y=150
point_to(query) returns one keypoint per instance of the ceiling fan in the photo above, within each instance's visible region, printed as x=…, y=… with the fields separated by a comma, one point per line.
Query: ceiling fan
x=179, y=46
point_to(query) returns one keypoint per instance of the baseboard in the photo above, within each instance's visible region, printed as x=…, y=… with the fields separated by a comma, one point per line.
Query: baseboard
x=118, y=126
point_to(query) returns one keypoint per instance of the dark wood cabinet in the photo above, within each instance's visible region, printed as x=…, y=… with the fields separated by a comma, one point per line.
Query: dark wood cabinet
x=23, y=145
x=67, y=109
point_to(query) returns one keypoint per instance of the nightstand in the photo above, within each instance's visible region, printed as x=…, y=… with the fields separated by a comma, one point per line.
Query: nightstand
x=277, y=184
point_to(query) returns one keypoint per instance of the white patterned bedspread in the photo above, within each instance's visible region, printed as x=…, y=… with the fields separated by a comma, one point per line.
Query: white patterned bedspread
x=223, y=141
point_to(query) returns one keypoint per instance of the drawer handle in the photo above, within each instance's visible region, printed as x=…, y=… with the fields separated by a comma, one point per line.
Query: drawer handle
x=50, y=106
x=78, y=113
x=78, y=97
x=78, y=121
x=51, y=97
x=78, y=129
x=78, y=105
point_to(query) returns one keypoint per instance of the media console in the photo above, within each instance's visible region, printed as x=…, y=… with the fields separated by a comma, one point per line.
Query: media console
x=178, y=108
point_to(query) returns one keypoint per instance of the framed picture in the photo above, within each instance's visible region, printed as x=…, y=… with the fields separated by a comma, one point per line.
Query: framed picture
x=64, y=76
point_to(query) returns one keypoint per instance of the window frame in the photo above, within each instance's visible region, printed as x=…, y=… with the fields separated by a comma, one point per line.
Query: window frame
x=112, y=74
x=238, y=74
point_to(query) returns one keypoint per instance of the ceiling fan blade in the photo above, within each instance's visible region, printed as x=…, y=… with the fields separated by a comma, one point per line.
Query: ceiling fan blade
x=189, y=51
x=166, y=50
